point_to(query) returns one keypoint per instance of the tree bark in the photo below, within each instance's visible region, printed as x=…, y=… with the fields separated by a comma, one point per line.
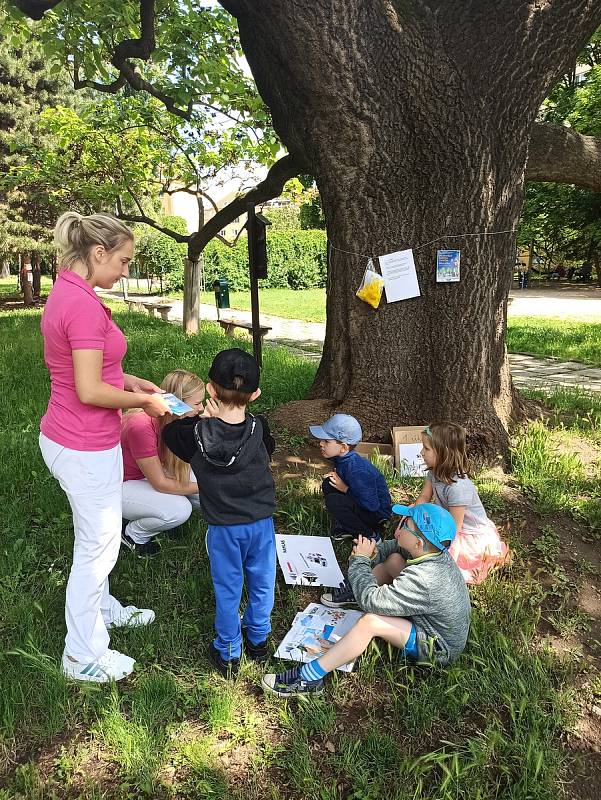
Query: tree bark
x=26, y=279
x=37, y=276
x=192, y=270
x=415, y=119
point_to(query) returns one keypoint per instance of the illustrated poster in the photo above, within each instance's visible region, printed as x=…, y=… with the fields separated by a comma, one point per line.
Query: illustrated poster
x=314, y=631
x=308, y=560
x=447, y=266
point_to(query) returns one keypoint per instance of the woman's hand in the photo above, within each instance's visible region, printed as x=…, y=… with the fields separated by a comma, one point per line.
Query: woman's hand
x=364, y=547
x=154, y=406
x=134, y=384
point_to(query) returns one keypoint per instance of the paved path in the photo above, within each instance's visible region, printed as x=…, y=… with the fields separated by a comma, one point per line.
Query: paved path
x=306, y=338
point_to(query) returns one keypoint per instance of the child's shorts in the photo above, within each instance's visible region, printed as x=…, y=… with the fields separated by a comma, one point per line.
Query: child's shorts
x=410, y=649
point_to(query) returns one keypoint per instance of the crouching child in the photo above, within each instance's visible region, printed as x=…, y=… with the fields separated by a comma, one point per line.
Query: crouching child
x=414, y=595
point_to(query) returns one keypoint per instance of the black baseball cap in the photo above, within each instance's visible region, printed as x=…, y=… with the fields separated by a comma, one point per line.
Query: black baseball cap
x=235, y=363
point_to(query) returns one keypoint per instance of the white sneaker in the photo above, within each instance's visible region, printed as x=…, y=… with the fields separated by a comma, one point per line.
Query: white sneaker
x=111, y=667
x=132, y=617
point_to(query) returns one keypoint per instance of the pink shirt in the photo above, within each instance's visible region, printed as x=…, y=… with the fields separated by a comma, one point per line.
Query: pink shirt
x=139, y=439
x=75, y=319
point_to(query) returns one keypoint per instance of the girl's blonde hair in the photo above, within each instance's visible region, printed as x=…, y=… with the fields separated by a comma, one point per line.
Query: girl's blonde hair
x=448, y=443
x=75, y=235
x=182, y=384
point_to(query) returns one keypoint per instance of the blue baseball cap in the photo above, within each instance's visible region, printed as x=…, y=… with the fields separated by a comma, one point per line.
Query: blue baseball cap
x=433, y=522
x=341, y=427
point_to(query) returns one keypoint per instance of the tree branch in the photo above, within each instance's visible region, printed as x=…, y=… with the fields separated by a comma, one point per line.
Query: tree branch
x=271, y=187
x=561, y=155
x=35, y=8
x=178, y=237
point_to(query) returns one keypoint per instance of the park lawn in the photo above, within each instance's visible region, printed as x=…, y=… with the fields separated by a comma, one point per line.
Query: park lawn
x=491, y=725
x=567, y=339
x=308, y=305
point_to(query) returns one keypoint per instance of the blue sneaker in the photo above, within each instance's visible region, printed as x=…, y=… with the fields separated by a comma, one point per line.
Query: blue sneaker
x=290, y=684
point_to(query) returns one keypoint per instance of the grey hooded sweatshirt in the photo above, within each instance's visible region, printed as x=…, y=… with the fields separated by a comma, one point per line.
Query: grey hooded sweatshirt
x=231, y=465
x=430, y=591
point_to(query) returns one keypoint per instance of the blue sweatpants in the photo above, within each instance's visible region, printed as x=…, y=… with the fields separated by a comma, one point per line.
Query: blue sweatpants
x=237, y=552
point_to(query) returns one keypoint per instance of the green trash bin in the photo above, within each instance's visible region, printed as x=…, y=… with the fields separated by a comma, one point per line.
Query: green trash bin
x=222, y=294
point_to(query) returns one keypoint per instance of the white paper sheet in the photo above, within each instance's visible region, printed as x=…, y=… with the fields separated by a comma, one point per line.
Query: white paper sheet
x=308, y=560
x=314, y=631
x=410, y=460
x=400, y=277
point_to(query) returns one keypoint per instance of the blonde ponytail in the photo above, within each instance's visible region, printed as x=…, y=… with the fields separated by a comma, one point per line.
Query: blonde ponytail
x=75, y=235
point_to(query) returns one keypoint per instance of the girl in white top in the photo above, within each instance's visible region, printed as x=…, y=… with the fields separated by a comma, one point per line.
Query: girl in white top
x=477, y=548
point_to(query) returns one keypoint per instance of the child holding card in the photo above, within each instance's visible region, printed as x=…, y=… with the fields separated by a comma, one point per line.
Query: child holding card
x=158, y=493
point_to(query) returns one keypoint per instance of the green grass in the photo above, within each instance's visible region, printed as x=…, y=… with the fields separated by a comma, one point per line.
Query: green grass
x=489, y=726
x=308, y=305
x=566, y=339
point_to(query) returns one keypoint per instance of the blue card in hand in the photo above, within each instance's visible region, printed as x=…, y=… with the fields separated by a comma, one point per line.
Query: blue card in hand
x=176, y=406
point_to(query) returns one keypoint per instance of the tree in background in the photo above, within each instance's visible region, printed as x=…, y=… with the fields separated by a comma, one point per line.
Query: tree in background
x=563, y=222
x=27, y=87
x=192, y=100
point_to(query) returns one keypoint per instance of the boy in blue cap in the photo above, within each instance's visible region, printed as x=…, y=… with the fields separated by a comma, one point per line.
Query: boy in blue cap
x=355, y=493
x=414, y=595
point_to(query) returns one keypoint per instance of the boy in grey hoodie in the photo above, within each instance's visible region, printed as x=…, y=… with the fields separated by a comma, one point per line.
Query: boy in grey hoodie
x=415, y=597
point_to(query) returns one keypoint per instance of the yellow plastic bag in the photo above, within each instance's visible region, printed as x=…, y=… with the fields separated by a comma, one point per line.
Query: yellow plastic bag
x=371, y=287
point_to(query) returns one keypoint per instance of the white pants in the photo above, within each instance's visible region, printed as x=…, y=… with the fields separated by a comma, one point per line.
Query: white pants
x=92, y=482
x=151, y=512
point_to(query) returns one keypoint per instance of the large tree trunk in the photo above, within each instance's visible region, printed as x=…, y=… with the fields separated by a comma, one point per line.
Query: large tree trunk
x=415, y=120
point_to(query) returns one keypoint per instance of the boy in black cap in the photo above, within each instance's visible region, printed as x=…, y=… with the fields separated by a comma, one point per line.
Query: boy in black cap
x=229, y=450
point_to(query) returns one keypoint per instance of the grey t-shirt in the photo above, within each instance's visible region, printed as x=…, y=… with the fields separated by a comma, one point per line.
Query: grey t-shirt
x=461, y=492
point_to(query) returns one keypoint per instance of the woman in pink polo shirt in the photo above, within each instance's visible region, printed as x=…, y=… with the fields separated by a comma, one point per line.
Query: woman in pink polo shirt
x=80, y=432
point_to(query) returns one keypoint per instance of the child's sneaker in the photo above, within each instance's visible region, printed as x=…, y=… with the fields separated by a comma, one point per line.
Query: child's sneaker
x=256, y=652
x=229, y=669
x=341, y=536
x=146, y=550
x=290, y=683
x=338, y=598
x=132, y=617
x=111, y=667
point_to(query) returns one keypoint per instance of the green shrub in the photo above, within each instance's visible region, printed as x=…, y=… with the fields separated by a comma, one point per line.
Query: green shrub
x=296, y=260
x=158, y=255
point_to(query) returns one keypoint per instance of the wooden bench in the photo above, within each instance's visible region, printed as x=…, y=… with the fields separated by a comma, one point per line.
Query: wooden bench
x=162, y=308
x=229, y=325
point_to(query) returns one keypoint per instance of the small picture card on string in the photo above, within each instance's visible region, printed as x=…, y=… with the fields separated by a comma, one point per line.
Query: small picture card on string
x=400, y=277
x=447, y=266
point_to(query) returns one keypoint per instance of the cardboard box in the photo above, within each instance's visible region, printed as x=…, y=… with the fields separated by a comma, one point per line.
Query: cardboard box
x=365, y=449
x=406, y=444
